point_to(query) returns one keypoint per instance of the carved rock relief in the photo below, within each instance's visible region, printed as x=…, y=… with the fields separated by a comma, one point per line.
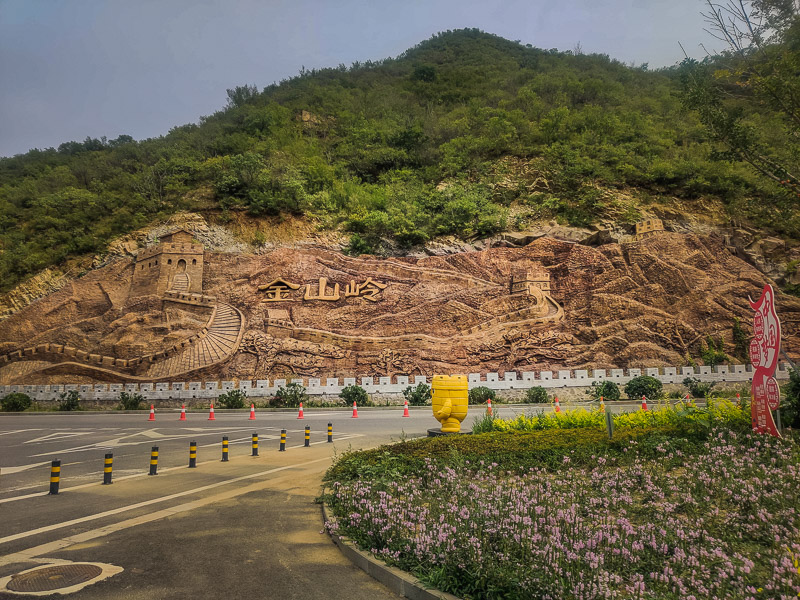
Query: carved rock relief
x=316, y=312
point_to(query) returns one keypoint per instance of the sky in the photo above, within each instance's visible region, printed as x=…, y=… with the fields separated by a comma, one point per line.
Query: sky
x=76, y=68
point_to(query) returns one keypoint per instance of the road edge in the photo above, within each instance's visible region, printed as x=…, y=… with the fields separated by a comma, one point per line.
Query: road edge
x=398, y=581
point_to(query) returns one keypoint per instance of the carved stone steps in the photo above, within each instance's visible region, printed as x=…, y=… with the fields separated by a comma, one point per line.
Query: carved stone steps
x=221, y=341
x=180, y=283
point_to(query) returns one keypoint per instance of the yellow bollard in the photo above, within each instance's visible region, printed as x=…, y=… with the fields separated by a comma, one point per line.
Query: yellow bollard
x=450, y=397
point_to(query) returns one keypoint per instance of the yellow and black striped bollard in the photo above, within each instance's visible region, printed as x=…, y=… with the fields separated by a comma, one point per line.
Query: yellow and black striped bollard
x=308, y=436
x=330, y=432
x=192, y=455
x=108, y=463
x=255, y=444
x=283, y=440
x=153, y=461
x=225, y=448
x=55, y=476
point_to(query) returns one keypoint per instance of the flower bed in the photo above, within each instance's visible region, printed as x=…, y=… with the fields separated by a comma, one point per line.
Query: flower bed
x=654, y=513
x=687, y=415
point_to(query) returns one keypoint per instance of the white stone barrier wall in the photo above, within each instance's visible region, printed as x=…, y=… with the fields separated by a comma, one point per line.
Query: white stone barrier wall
x=511, y=380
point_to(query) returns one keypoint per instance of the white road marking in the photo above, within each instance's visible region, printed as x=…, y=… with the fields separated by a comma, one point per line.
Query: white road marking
x=31, y=553
x=10, y=470
x=151, y=434
x=52, y=437
x=18, y=431
x=144, y=473
x=116, y=511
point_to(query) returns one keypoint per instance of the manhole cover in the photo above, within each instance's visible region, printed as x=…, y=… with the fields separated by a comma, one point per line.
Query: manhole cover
x=53, y=578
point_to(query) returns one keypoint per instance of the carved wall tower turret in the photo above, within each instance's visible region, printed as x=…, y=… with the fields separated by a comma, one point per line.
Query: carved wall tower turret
x=174, y=264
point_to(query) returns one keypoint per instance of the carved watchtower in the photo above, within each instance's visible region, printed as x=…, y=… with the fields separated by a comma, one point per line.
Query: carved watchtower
x=524, y=280
x=648, y=226
x=174, y=264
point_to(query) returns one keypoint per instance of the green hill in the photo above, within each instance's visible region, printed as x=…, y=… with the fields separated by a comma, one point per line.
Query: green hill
x=466, y=134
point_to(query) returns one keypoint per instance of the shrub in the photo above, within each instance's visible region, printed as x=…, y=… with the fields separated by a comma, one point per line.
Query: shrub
x=480, y=394
x=740, y=340
x=419, y=395
x=791, y=403
x=515, y=450
x=232, y=399
x=357, y=245
x=607, y=390
x=697, y=388
x=355, y=393
x=290, y=396
x=536, y=395
x=644, y=385
x=70, y=400
x=16, y=402
x=484, y=423
x=713, y=353
x=128, y=401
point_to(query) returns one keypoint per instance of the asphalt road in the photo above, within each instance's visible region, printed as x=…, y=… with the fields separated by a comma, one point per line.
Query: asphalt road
x=247, y=528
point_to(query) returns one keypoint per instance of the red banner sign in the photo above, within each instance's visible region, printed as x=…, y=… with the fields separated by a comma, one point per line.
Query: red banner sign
x=764, y=349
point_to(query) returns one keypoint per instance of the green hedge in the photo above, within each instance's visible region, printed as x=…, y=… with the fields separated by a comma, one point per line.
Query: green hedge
x=514, y=450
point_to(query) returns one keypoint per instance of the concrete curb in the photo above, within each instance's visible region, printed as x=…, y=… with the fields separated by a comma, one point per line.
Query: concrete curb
x=400, y=582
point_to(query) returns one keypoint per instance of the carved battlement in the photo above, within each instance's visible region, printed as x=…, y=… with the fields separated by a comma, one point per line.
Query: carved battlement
x=216, y=342
x=154, y=251
x=194, y=299
x=509, y=380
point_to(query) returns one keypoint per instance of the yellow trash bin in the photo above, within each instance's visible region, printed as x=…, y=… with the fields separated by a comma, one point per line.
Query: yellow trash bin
x=450, y=397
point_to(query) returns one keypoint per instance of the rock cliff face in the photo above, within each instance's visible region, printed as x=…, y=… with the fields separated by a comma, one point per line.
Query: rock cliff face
x=314, y=312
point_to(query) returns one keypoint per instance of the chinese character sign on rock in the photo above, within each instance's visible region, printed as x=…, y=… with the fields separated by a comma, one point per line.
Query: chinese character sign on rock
x=764, y=349
x=280, y=290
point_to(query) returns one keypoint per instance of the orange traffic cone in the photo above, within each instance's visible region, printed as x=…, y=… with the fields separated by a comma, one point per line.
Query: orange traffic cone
x=558, y=405
x=489, y=406
x=644, y=403
x=183, y=412
x=300, y=414
x=252, y=412
x=211, y=416
x=405, y=409
x=152, y=413
x=355, y=410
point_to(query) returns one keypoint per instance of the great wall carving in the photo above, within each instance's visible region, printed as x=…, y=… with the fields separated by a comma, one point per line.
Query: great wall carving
x=177, y=311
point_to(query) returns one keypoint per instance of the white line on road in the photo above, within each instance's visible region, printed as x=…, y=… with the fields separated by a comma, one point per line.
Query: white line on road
x=142, y=474
x=116, y=511
x=10, y=470
x=18, y=431
x=56, y=545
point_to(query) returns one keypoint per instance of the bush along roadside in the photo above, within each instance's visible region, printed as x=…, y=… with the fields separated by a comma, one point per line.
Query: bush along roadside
x=686, y=415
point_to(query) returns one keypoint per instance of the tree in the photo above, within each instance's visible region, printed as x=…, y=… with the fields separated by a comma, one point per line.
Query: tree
x=290, y=396
x=241, y=95
x=607, y=390
x=354, y=393
x=643, y=385
x=419, y=395
x=758, y=69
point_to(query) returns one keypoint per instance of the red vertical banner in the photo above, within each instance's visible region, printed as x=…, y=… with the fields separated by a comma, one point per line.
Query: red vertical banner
x=764, y=349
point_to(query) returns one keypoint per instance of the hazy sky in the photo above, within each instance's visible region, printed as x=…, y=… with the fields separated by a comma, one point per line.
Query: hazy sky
x=76, y=68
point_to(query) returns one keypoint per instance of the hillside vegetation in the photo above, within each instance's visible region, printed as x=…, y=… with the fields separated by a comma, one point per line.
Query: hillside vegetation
x=466, y=134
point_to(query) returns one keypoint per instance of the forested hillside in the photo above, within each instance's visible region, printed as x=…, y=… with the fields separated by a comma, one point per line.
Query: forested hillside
x=466, y=134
